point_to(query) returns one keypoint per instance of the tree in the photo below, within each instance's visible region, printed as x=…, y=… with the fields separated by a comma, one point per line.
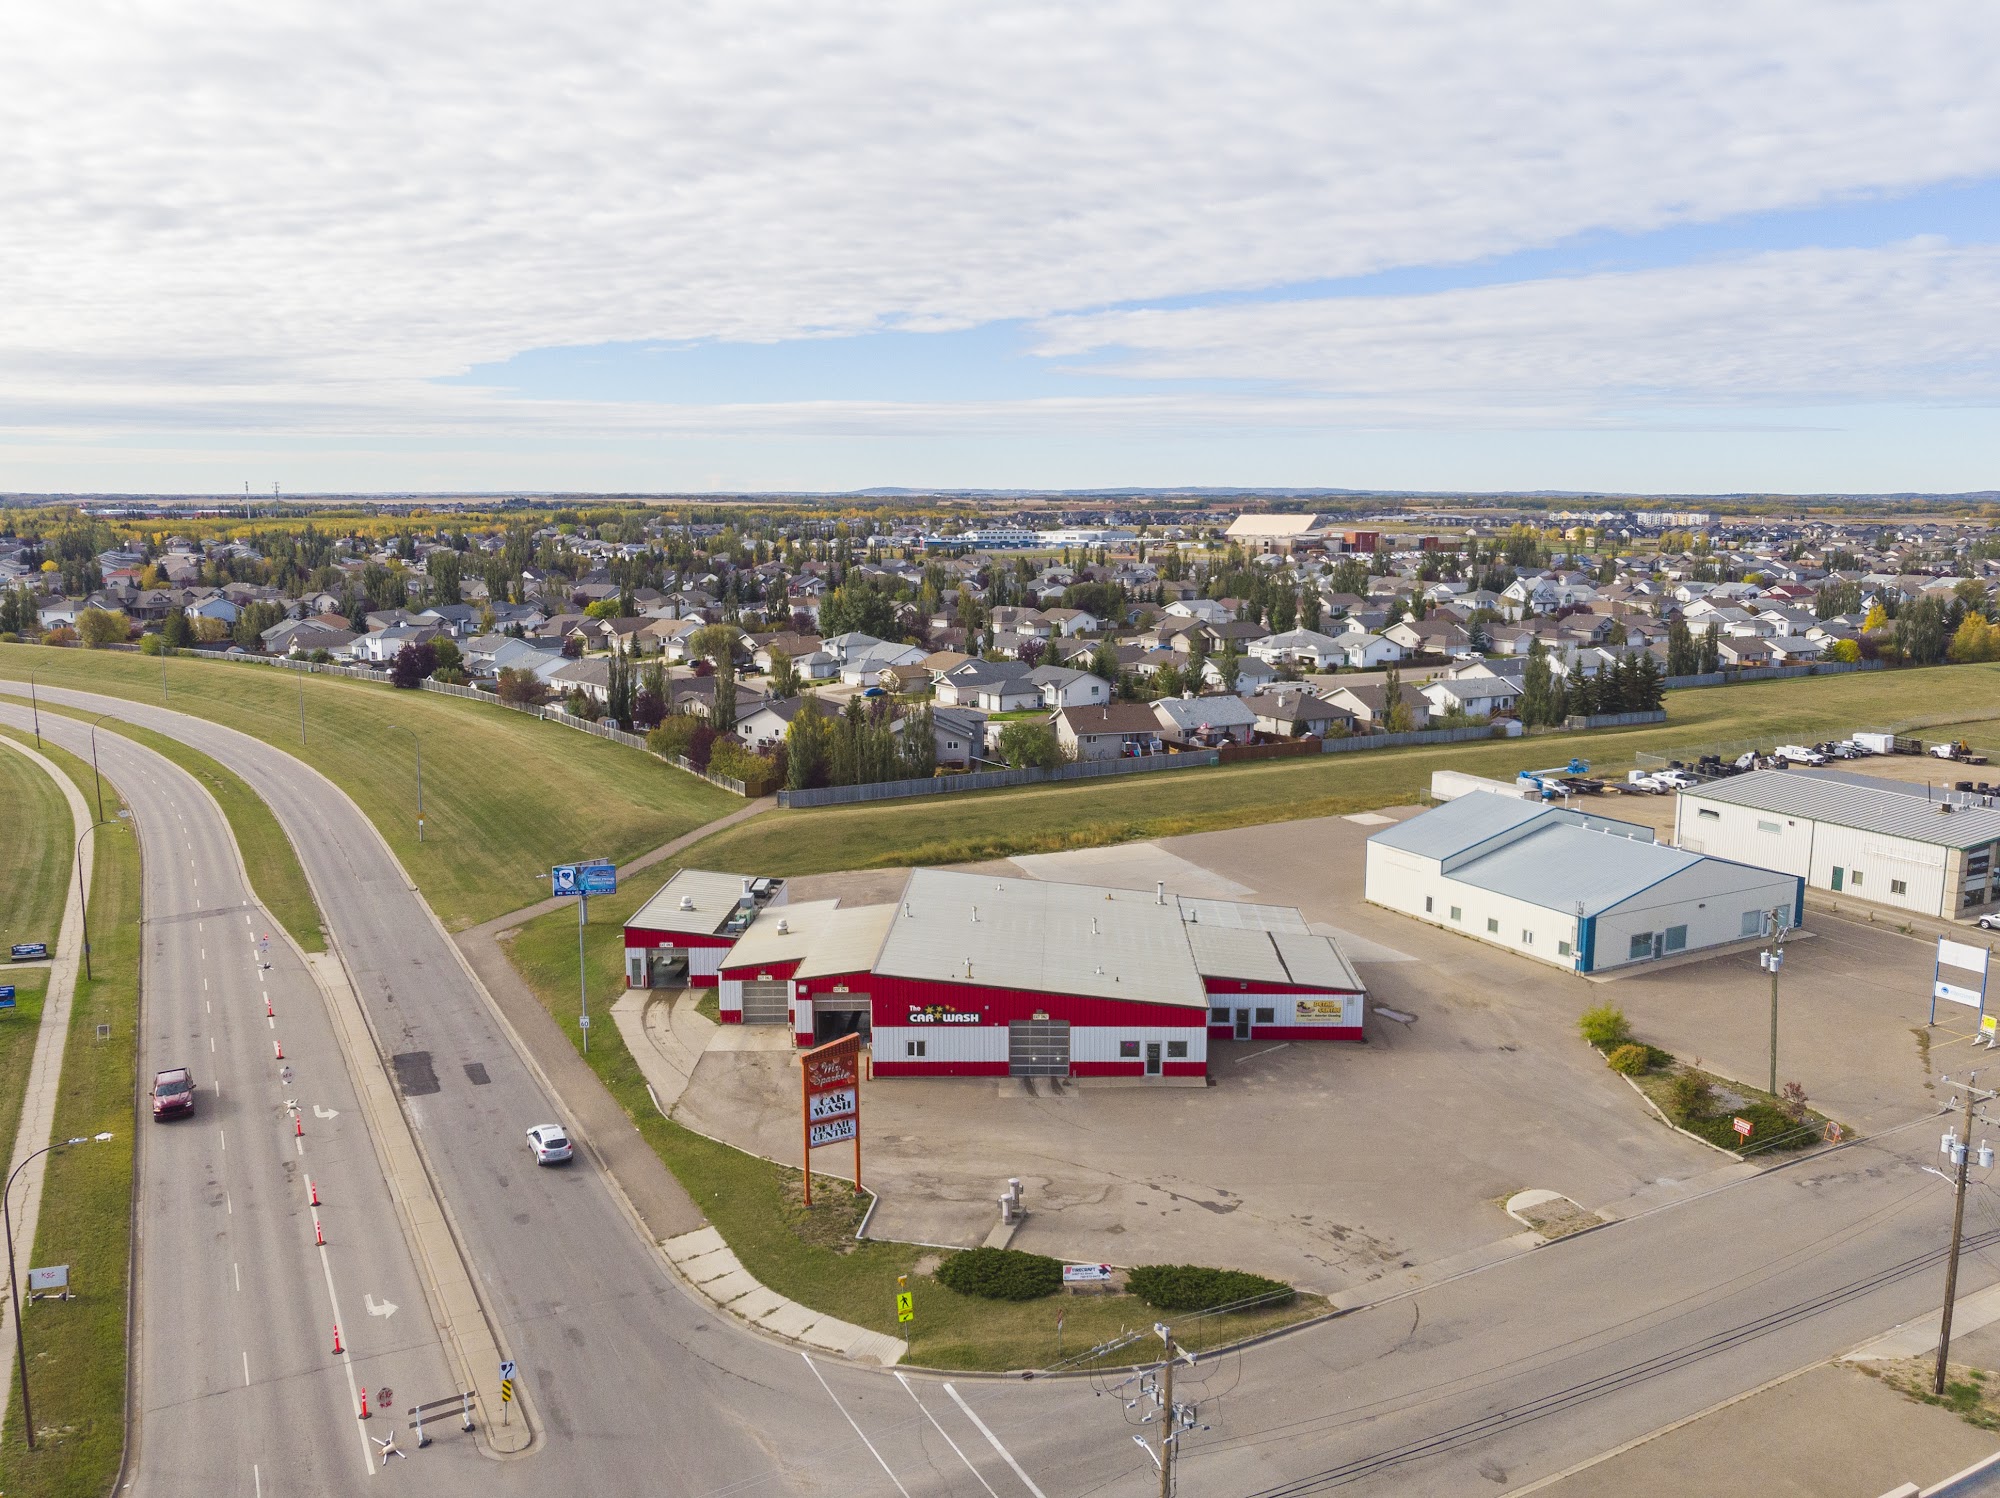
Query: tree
x=917, y=754
x=1847, y=652
x=445, y=651
x=253, y=621
x=1708, y=659
x=856, y=606
x=1974, y=640
x=1877, y=618
x=1397, y=716
x=1030, y=651
x=413, y=663
x=447, y=575
x=1025, y=743
x=1310, y=610
x=808, y=747
x=1538, y=701
x=604, y=608
x=210, y=631
x=1682, y=658
x=101, y=627
x=784, y=675
x=1104, y=662
x=176, y=630
x=619, y=688
x=523, y=688
x=717, y=643
x=1921, y=636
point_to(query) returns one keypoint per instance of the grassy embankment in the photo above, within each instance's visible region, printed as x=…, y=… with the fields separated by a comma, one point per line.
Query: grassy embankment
x=505, y=795
x=268, y=855
x=76, y=1351
x=998, y=824
x=811, y=1256
x=34, y=878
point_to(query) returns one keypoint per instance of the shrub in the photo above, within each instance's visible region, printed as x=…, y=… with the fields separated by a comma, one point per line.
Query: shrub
x=1689, y=1097
x=1195, y=1287
x=1604, y=1027
x=1769, y=1129
x=1001, y=1274
x=1792, y=1101
x=672, y=736
x=1630, y=1060
x=759, y=775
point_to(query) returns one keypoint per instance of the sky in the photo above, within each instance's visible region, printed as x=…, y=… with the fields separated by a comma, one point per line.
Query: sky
x=759, y=245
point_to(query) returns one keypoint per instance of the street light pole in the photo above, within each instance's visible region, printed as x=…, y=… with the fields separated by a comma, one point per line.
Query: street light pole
x=302, y=705
x=94, y=771
x=582, y=974
x=1774, y=958
x=34, y=697
x=82, y=896
x=13, y=1287
x=420, y=775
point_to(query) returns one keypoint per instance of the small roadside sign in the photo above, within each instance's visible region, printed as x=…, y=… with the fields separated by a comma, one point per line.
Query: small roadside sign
x=506, y=1367
x=6, y=996
x=28, y=951
x=1086, y=1274
x=1743, y=1127
x=56, y=1277
x=905, y=1307
x=506, y=1391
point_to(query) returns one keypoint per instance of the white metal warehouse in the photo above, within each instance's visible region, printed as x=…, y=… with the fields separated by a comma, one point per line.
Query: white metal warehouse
x=1584, y=893
x=1887, y=841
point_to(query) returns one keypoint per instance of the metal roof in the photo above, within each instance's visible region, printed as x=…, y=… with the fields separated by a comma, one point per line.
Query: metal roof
x=850, y=941
x=764, y=944
x=1563, y=866
x=716, y=897
x=1889, y=807
x=1236, y=952
x=1316, y=961
x=1234, y=915
x=1466, y=821
x=1025, y=933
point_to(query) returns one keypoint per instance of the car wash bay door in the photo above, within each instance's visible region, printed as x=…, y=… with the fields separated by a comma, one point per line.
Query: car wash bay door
x=838, y=1014
x=767, y=1003
x=1038, y=1048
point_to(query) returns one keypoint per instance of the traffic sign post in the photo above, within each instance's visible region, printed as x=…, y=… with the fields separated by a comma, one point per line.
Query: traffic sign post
x=830, y=1097
x=506, y=1388
x=905, y=1312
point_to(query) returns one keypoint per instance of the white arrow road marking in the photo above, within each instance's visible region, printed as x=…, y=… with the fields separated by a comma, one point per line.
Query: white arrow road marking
x=319, y=1112
x=386, y=1308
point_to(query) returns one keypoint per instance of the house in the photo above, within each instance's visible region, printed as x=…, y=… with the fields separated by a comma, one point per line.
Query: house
x=1295, y=712
x=1117, y=730
x=1474, y=696
x=591, y=676
x=791, y=645
x=765, y=726
x=1204, y=722
x=1062, y=687
x=864, y=668
x=218, y=608
x=1366, y=702
x=1305, y=648
x=1793, y=650
x=959, y=734
x=1365, y=651
x=990, y=686
x=1743, y=652
x=384, y=644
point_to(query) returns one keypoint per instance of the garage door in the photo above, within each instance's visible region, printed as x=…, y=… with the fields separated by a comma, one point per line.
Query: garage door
x=766, y=1004
x=1038, y=1048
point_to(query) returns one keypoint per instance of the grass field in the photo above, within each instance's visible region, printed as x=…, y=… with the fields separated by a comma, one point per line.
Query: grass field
x=997, y=824
x=76, y=1352
x=810, y=1255
x=17, y=1050
x=36, y=851
x=505, y=795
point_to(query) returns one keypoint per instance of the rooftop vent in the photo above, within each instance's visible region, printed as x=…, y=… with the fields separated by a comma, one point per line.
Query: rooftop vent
x=784, y=927
x=687, y=902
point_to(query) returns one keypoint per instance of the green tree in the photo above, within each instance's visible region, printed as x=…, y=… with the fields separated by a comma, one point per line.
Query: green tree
x=1681, y=655
x=857, y=607
x=784, y=676
x=446, y=570
x=177, y=631
x=101, y=627
x=1025, y=743
x=1538, y=701
x=1397, y=716
x=1921, y=636
x=917, y=751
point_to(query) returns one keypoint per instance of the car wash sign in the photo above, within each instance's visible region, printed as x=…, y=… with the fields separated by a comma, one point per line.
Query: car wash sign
x=830, y=1086
x=1959, y=976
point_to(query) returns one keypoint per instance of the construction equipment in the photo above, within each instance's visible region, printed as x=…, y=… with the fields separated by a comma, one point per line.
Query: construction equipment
x=1549, y=784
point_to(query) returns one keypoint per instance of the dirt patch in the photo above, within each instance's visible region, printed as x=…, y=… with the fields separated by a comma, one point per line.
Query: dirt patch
x=1559, y=1219
x=1972, y=1394
x=832, y=1219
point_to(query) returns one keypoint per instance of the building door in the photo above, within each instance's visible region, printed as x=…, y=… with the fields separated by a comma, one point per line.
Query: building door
x=838, y=1014
x=1038, y=1048
x=1243, y=1024
x=1152, y=1058
x=636, y=975
x=766, y=1004
x=1838, y=875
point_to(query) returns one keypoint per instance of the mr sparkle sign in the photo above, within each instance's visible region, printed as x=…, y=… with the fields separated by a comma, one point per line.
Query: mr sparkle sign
x=830, y=1083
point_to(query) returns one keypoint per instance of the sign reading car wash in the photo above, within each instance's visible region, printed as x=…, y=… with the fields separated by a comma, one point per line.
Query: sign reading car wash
x=944, y=1014
x=830, y=1080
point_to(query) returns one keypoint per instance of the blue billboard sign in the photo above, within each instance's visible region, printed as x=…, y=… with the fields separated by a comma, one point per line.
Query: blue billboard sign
x=6, y=996
x=598, y=879
x=24, y=950
x=562, y=879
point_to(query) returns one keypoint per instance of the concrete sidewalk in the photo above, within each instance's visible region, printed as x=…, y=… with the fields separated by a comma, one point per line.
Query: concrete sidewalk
x=711, y=1267
x=38, y=1106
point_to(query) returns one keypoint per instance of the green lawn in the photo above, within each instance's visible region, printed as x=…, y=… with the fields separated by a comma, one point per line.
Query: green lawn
x=810, y=1255
x=997, y=824
x=76, y=1351
x=36, y=851
x=505, y=794
x=17, y=1048
x=272, y=861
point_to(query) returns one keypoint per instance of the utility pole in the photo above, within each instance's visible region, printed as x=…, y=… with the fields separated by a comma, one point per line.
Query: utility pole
x=1959, y=1152
x=1168, y=1445
x=1773, y=958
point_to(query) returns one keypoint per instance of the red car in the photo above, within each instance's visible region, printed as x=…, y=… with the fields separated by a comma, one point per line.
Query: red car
x=173, y=1093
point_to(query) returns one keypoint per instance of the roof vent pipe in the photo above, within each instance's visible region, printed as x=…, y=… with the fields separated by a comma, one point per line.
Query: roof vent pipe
x=975, y=915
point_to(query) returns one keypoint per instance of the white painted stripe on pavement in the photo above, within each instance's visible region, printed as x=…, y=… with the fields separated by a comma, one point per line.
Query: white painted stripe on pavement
x=246, y=1367
x=851, y=1421
x=994, y=1441
x=947, y=1436
x=347, y=1366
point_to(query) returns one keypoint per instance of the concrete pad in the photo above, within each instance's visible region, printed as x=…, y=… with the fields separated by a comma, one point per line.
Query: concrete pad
x=1920, y=1337
x=759, y=1303
x=1368, y=819
x=855, y=1342
x=1132, y=866
x=752, y=1038
x=729, y=1288
x=705, y=1267
x=688, y=1245
x=787, y=1318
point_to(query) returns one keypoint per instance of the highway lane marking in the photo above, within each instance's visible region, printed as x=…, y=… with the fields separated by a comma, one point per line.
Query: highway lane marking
x=228, y=1204
x=246, y=1368
x=225, y=1140
x=994, y=1441
x=347, y=1365
x=947, y=1435
x=238, y=1268
x=857, y=1429
x=257, y=1477
x=211, y=1045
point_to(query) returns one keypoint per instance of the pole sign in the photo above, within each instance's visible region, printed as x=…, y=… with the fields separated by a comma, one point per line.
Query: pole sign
x=507, y=1368
x=562, y=879
x=597, y=879
x=1963, y=959
x=1743, y=1127
x=830, y=1100
x=905, y=1309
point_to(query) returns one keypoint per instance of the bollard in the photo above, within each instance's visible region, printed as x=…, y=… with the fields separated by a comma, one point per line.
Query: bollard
x=279, y=1047
x=298, y=1126
x=319, y=1233
x=465, y=1409
x=364, y=1401
x=313, y=1187
x=422, y=1439
x=337, y=1348
x=269, y=1012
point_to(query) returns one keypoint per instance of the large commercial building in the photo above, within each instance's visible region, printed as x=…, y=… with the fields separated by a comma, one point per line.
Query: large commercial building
x=971, y=975
x=1886, y=841
x=1581, y=892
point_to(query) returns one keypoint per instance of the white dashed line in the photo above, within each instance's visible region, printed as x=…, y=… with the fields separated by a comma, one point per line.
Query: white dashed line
x=238, y=1268
x=246, y=1369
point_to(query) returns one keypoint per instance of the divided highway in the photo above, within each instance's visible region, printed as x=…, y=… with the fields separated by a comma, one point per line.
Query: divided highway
x=1477, y=1384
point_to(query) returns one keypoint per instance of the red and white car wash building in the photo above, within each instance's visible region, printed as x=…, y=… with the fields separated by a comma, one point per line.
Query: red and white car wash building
x=972, y=975
x=678, y=938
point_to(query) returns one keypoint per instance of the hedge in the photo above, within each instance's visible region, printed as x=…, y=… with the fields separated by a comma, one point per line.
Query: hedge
x=1195, y=1287
x=1001, y=1274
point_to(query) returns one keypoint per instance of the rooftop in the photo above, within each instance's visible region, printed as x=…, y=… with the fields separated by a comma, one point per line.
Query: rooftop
x=1890, y=807
x=713, y=899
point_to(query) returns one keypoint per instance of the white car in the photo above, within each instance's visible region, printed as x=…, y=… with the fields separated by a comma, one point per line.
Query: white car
x=550, y=1144
x=1990, y=921
x=1674, y=780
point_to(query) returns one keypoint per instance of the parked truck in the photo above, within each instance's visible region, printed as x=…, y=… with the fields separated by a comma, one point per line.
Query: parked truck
x=1959, y=751
x=1798, y=754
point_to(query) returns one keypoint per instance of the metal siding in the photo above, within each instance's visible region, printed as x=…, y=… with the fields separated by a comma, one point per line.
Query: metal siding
x=729, y=1000
x=705, y=962
x=1838, y=798
x=895, y=998
x=754, y=972
x=1710, y=900
x=942, y=1044
x=1094, y=1045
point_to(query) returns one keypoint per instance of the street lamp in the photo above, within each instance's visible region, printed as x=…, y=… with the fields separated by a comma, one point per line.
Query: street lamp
x=98, y=776
x=420, y=775
x=82, y=894
x=13, y=1289
x=34, y=697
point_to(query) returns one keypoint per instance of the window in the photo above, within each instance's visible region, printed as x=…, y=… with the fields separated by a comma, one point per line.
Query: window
x=1218, y=1016
x=1753, y=923
x=1899, y=887
x=1176, y=1048
x=1642, y=945
x=1708, y=811
x=1456, y=914
x=1677, y=938
x=1527, y=938
x=1763, y=826
x=1975, y=897
x=1427, y=904
x=1267, y=1016
x=1492, y=926
x=1128, y=1049
x=1854, y=876
x=1562, y=949
x=913, y=1048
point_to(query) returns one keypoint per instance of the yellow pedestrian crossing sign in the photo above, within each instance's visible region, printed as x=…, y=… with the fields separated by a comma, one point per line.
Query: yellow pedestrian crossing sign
x=904, y=1310
x=506, y=1391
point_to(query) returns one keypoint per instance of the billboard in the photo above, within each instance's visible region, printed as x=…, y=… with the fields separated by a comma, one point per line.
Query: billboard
x=830, y=1099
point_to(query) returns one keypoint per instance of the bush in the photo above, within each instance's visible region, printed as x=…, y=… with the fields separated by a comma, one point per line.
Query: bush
x=1630, y=1060
x=1604, y=1027
x=1689, y=1098
x=759, y=775
x=1195, y=1287
x=1001, y=1274
x=1767, y=1124
x=673, y=735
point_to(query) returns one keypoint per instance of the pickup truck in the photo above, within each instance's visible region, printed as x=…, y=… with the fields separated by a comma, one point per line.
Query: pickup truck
x=1798, y=754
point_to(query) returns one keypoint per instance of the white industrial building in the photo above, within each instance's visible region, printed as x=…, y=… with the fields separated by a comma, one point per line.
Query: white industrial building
x=1887, y=841
x=1580, y=892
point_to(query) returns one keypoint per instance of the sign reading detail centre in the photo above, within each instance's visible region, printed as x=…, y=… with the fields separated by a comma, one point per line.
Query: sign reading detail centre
x=830, y=1094
x=597, y=877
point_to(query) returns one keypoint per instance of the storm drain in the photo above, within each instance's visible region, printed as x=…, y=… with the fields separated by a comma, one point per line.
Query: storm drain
x=415, y=1075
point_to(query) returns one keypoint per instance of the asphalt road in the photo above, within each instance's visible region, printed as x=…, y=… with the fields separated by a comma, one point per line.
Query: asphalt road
x=1478, y=1384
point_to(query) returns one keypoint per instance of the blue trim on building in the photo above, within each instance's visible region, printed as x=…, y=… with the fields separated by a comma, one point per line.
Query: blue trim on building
x=1799, y=905
x=1587, y=947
